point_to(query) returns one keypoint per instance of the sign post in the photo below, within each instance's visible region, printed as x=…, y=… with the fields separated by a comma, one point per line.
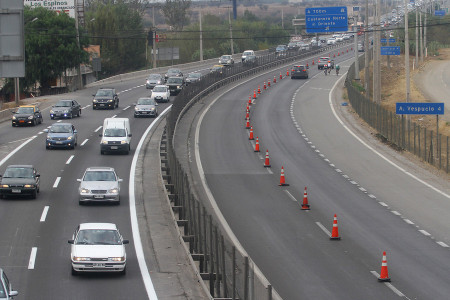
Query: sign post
x=326, y=19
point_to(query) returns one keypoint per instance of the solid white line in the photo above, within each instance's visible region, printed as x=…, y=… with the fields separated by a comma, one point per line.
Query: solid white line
x=96, y=130
x=44, y=213
x=55, y=185
x=330, y=102
x=323, y=228
x=84, y=142
x=127, y=107
x=290, y=195
x=70, y=159
x=151, y=293
x=15, y=150
x=32, y=258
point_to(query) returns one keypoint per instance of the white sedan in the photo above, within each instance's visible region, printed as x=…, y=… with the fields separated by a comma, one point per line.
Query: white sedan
x=161, y=93
x=331, y=41
x=98, y=247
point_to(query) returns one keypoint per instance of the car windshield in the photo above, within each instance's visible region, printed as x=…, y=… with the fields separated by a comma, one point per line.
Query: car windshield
x=299, y=68
x=247, y=53
x=98, y=237
x=154, y=76
x=25, y=110
x=99, y=176
x=61, y=128
x=104, y=93
x=145, y=101
x=194, y=75
x=18, y=172
x=114, y=132
x=226, y=57
x=2, y=292
x=175, y=80
x=63, y=104
x=173, y=71
x=160, y=89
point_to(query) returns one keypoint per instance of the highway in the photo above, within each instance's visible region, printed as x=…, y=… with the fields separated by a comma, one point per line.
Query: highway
x=379, y=206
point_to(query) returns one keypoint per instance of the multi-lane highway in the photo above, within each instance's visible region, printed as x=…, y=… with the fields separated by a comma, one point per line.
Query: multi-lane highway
x=381, y=204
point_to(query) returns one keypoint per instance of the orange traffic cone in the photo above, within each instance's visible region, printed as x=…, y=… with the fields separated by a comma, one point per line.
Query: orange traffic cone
x=257, y=145
x=264, y=86
x=268, y=83
x=334, y=55
x=305, y=205
x=267, y=162
x=254, y=94
x=287, y=72
x=313, y=62
x=247, y=115
x=259, y=89
x=249, y=101
x=248, y=106
x=384, y=277
x=247, y=124
x=307, y=66
x=274, y=79
x=250, y=137
x=335, y=231
x=281, y=76
x=282, y=179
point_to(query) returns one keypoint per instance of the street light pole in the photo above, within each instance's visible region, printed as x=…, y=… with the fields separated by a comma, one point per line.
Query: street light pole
x=80, y=80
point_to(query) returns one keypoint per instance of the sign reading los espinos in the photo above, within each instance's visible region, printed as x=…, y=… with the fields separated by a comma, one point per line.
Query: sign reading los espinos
x=66, y=6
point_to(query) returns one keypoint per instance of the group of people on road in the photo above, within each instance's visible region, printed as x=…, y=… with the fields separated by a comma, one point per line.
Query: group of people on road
x=327, y=69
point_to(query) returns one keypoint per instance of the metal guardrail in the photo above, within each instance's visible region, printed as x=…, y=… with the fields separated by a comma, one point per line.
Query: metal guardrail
x=398, y=131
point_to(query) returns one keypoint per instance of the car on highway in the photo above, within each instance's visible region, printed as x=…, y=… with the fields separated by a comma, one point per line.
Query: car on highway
x=226, y=60
x=161, y=93
x=146, y=107
x=292, y=46
x=246, y=54
x=360, y=47
x=27, y=115
x=6, y=290
x=323, y=62
x=193, y=77
x=280, y=51
x=65, y=109
x=153, y=80
x=217, y=70
x=173, y=72
x=331, y=41
x=19, y=180
x=302, y=46
x=61, y=135
x=98, y=247
x=299, y=71
x=250, y=61
x=99, y=184
x=116, y=136
x=175, y=85
x=105, y=98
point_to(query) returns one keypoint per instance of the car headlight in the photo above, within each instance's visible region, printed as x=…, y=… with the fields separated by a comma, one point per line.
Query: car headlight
x=51, y=111
x=95, y=100
x=178, y=86
x=77, y=258
x=4, y=186
x=110, y=100
x=116, y=258
x=84, y=191
x=113, y=191
x=13, y=117
x=29, y=186
x=152, y=109
x=148, y=82
x=30, y=117
x=124, y=142
x=136, y=108
x=104, y=142
x=70, y=137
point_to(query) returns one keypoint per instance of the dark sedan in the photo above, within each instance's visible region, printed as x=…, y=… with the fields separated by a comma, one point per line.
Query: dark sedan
x=19, y=180
x=65, y=109
x=61, y=135
x=193, y=77
x=173, y=72
x=175, y=85
x=27, y=115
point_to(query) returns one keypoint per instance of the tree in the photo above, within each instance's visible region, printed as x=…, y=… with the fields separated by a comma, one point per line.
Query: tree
x=118, y=29
x=175, y=12
x=50, y=46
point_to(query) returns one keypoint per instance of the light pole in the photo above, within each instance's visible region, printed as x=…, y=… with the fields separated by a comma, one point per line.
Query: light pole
x=80, y=80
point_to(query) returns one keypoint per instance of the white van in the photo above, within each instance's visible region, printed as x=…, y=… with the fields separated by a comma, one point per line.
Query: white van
x=116, y=136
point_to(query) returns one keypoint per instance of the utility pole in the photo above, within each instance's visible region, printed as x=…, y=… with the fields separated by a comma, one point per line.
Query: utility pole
x=355, y=29
x=201, y=36
x=154, y=46
x=80, y=80
x=421, y=37
x=407, y=53
x=376, y=56
x=366, y=49
x=231, y=32
x=417, y=38
x=425, y=30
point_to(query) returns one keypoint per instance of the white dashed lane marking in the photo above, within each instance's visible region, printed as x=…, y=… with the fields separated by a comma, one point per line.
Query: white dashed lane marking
x=84, y=142
x=55, y=185
x=44, y=214
x=70, y=159
x=32, y=258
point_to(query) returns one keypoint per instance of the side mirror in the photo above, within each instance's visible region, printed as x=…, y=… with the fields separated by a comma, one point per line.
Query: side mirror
x=134, y=104
x=120, y=179
x=75, y=131
x=13, y=293
x=129, y=134
x=156, y=104
x=38, y=175
x=125, y=242
x=100, y=134
x=71, y=241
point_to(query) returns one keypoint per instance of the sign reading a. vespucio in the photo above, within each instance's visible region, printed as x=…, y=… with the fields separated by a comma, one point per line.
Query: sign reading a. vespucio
x=66, y=6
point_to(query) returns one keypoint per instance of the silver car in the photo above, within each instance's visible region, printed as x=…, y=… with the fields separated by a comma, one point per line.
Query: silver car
x=6, y=292
x=146, y=107
x=226, y=60
x=99, y=184
x=153, y=80
x=98, y=247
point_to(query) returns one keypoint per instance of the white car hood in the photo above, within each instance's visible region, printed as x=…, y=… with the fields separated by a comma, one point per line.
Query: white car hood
x=159, y=94
x=98, y=251
x=99, y=185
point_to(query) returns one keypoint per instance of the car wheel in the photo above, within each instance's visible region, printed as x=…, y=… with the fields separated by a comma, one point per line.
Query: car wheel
x=34, y=194
x=70, y=116
x=102, y=152
x=79, y=113
x=34, y=122
x=52, y=118
x=80, y=203
x=124, y=271
x=74, y=273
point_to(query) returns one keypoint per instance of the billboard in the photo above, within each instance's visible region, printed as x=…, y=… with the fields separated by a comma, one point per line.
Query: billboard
x=67, y=6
